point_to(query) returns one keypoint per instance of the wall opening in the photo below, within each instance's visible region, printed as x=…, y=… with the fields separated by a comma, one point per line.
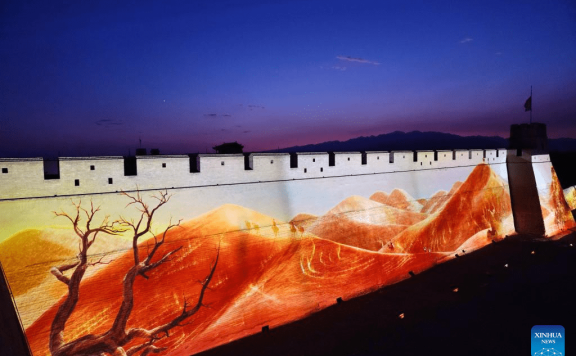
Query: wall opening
x=293, y=160
x=321, y=169
x=469, y=154
x=305, y=170
x=415, y=156
x=364, y=157
x=271, y=161
x=194, y=160
x=453, y=155
x=391, y=157
x=163, y=165
x=4, y=170
x=248, y=162
x=92, y=167
x=519, y=152
x=331, y=159
x=109, y=180
x=313, y=159
x=436, y=155
x=130, y=168
x=77, y=182
x=51, y=168
x=497, y=153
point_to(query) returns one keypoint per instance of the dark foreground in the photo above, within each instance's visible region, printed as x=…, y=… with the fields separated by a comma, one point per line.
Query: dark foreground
x=492, y=312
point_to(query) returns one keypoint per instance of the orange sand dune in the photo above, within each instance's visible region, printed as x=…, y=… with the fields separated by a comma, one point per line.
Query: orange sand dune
x=570, y=197
x=367, y=211
x=27, y=257
x=380, y=197
x=263, y=277
x=399, y=199
x=305, y=220
x=481, y=202
x=561, y=217
x=349, y=232
x=439, y=199
x=360, y=222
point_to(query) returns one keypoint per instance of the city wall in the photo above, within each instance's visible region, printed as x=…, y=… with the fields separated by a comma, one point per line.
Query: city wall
x=25, y=178
x=282, y=235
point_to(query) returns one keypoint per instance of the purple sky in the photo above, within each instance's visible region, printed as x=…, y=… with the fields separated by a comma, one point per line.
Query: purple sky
x=84, y=79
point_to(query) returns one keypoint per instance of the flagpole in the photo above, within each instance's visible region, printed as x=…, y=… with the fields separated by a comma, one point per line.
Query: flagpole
x=531, y=104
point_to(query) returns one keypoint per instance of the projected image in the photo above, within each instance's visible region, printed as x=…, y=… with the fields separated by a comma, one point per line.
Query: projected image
x=136, y=276
x=555, y=206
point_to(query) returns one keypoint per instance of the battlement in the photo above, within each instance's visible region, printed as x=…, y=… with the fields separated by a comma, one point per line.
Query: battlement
x=31, y=177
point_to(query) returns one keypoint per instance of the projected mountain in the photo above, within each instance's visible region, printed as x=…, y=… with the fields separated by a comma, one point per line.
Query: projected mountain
x=265, y=276
x=481, y=202
x=399, y=198
x=32, y=252
x=359, y=222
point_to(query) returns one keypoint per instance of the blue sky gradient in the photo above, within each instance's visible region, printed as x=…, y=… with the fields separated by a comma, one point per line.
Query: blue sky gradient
x=85, y=79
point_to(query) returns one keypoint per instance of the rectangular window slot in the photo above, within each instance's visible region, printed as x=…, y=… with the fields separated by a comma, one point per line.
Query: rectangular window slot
x=391, y=157
x=222, y=163
x=92, y=168
x=348, y=158
x=415, y=156
x=305, y=170
x=51, y=168
x=194, y=163
x=436, y=156
x=331, y=159
x=497, y=153
x=130, y=168
x=321, y=169
x=453, y=155
x=469, y=154
x=378, y=157
x=163, y=165
x=109, y=180
x=364, y=158
x=271, y=161
x=4, y=170
x=313, y=159
x=293, y=160
x=77, y=182
x=248, y=166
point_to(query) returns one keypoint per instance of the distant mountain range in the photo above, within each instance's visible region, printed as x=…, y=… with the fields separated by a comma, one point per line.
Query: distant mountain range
x=417, y=140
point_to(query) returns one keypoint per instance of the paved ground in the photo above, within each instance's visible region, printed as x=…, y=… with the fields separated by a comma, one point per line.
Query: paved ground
x=491, y=314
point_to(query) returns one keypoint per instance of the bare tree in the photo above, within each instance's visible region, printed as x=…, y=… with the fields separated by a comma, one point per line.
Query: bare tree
x=114, y=340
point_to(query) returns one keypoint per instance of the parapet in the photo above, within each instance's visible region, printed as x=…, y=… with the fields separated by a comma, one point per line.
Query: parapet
x=28, y=177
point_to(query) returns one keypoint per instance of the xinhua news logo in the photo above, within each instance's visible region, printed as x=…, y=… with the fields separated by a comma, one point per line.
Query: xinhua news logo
x=548, y=340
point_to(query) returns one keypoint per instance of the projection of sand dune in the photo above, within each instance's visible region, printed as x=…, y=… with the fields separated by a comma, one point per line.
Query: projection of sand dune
x=560, y=217
x=570, y=196
x=438, y=200
x=265, y=276
x=481, y=202
x=399, y=199
x=27, y=258
x=360, y=222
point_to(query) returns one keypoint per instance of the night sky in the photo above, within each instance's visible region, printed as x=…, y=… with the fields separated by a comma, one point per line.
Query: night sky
x=93, y=79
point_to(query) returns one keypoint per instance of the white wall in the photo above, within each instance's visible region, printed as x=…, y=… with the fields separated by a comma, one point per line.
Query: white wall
x=25, y=177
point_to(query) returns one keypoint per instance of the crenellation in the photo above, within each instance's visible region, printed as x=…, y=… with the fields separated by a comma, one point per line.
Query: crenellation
x=92, y=175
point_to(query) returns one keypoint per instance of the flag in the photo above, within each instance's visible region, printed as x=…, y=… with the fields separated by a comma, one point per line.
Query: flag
x=528, y=104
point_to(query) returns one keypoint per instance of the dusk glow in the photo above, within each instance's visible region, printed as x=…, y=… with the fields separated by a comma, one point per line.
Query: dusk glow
x=83, y=79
